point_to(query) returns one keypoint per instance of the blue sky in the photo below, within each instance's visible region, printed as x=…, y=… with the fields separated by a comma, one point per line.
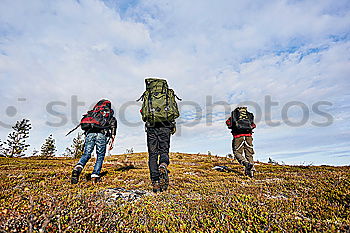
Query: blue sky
x=296, y=53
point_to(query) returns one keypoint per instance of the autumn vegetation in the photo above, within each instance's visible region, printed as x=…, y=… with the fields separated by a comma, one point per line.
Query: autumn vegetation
x=36, y=196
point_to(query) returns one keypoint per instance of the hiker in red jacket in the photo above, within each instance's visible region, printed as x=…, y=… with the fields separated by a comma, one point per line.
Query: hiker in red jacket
x=242, y=124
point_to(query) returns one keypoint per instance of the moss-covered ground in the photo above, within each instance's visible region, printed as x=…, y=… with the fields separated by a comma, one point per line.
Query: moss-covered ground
x=36, y=196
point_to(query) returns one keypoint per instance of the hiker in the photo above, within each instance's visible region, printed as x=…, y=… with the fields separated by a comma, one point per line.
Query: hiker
x=159, y=111
x=242, y=124
x=100, y=127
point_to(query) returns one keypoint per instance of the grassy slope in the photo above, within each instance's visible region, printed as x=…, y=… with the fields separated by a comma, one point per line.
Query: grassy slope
x=36, y=195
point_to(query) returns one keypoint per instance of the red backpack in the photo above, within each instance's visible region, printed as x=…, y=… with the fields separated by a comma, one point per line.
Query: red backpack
x=97, y=118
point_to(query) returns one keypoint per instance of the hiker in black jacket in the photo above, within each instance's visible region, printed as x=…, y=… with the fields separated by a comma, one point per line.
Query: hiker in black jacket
x=159, y=111
x=100, y=128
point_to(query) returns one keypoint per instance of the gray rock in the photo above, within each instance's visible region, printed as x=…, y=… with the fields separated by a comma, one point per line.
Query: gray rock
x=222, y=168
x=113, y=194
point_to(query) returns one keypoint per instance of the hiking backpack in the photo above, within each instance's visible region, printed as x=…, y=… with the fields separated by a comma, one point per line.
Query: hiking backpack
x=241, y=119
x=97, y=118
x=159, y=104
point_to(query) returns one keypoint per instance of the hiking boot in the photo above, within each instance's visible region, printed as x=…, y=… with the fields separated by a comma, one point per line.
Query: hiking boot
x=95, y=178
x=164, y=177
x=75, y=174
x=248, y=171
x=155, y=186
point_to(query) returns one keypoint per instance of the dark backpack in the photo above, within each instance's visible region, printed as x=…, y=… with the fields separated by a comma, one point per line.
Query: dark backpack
x=97, y=118
x=159, y=103
x=241, y=119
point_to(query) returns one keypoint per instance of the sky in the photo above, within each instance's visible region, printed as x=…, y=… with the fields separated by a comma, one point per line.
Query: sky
x=287, y=60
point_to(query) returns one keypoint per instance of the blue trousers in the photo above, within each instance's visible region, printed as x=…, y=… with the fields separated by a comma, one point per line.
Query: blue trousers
x=92, y=139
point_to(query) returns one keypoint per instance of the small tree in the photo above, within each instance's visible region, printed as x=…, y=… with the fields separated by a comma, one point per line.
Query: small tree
x=1, y=149
x=16, y=141
x=35, y=152
x=48, y=149
x=273, y=162
x=76, y=150
x=130, y=151
x=67, y=152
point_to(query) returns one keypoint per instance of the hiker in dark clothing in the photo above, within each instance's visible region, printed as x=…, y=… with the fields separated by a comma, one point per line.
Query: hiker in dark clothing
x=242, y=124
x=159, y=111
x=100, y=128
x=158, y=143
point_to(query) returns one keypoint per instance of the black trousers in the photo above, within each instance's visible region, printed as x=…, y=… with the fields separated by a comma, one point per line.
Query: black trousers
x=158, y=143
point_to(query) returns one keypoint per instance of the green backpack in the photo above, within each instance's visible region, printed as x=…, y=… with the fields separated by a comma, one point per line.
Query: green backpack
x=159, y=104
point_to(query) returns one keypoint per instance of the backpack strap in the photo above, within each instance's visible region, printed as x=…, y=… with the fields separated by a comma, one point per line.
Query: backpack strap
x=177, y=97
x=141, y=97
x=150, y=108
x=72, y=130
x=167, y=103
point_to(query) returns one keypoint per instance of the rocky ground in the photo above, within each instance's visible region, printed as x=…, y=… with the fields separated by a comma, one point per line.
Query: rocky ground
x=36, y=196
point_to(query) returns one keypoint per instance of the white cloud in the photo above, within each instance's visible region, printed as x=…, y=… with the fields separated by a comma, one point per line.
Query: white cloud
x=231, y=50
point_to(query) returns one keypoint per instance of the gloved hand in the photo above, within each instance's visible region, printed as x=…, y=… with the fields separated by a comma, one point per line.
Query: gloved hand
x=173, y=130
x=111, y=143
